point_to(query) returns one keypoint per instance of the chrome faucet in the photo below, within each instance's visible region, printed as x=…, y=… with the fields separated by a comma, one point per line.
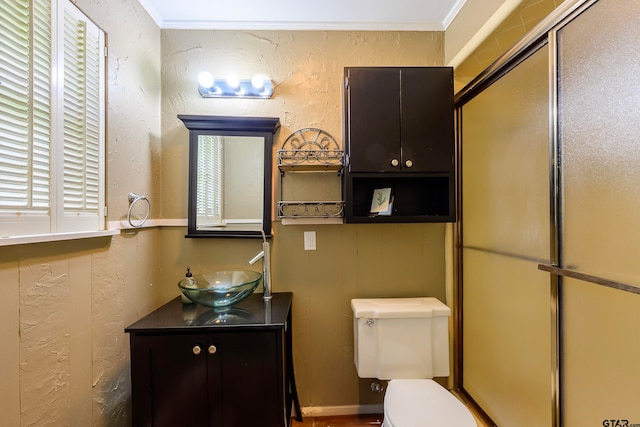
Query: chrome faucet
x=265, y=254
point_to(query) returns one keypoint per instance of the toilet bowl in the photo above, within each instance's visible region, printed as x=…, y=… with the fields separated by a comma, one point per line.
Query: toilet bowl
x=423, y=403
x=406, y=341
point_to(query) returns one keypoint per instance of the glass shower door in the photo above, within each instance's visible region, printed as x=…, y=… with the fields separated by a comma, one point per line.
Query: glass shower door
x=599, y=134
x=505, y=234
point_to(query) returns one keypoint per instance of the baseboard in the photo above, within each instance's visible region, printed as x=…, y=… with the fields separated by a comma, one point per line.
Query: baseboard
x=325, y=411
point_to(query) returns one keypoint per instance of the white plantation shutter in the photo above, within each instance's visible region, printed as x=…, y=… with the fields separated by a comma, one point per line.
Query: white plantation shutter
x=82, y=132
x=210, y=181
x=41, y=108
x=94, y=125
x=25, y=117
x=51, y=119
x=14, y=101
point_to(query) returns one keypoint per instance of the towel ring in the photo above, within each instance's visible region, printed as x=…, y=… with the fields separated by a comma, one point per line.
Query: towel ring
x=133, y=199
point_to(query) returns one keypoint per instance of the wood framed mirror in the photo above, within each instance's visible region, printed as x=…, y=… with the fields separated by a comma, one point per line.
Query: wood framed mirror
x=230, y=182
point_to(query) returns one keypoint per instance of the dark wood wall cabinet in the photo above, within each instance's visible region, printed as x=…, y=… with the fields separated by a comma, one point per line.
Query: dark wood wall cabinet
x=399, y=134
x=196, y=366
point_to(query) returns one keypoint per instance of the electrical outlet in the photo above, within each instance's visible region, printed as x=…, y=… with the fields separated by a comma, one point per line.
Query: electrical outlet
x=309, y=240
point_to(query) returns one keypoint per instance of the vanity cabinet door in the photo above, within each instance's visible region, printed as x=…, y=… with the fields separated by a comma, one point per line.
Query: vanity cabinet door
x=222, y=379
x=170, y=381
x=250, y=378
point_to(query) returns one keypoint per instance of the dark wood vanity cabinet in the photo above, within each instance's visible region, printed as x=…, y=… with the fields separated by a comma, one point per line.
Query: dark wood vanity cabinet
x=399, y=133
x=216, y=368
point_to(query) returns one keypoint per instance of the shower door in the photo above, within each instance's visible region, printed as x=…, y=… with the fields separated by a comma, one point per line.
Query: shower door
x=599, y=139
x=549, y=237
x=505, y=234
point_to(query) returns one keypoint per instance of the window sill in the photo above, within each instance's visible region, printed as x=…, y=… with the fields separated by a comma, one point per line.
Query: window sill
x=55, y=237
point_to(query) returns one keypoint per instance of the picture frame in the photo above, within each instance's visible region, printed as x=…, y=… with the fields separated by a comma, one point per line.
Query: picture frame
x=381, y=202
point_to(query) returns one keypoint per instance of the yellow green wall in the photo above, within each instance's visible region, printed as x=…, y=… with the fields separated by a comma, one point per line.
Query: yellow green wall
x=64, y=305
x=350, y=260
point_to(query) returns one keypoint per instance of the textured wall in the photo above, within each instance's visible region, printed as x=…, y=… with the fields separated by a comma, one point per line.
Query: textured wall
x=351, y=260
x=306, y=67
x=64, y=305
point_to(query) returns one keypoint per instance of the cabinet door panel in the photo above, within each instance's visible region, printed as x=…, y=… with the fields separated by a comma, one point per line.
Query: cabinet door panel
x=373, y=123
x=248, y=379
x=427, y=119
x=171, y=381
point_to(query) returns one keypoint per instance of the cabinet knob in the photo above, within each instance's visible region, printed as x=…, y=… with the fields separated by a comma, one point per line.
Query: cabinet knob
x=196, y=349
x=394, y=162
x=212, y=349
x=408, y=163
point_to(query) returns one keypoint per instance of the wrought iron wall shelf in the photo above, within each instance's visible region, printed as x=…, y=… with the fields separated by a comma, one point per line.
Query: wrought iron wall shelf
x=310, y=209
x=310, y=150
x=310, y=160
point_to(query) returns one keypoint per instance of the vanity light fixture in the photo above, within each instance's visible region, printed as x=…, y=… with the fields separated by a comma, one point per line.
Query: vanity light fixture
x=260, y=86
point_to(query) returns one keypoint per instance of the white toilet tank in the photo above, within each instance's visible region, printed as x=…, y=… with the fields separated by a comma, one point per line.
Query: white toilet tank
x=396, y=338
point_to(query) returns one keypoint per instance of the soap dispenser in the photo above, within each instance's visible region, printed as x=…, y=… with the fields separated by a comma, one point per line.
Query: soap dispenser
x=188, y=282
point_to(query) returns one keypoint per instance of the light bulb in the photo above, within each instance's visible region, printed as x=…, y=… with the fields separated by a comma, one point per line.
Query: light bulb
x=205, y=79
x=233, y=81
x=257, y=81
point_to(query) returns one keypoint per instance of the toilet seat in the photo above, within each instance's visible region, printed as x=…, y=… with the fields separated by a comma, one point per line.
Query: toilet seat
x=423, y=403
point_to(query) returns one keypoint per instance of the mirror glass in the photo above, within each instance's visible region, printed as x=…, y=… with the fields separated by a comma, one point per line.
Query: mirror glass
x=230, y=182
x=229, y=175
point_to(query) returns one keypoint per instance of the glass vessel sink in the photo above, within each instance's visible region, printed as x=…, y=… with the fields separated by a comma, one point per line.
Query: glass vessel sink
x=222, y=288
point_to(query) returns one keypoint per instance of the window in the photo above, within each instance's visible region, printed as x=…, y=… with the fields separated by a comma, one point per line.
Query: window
x=52, y=119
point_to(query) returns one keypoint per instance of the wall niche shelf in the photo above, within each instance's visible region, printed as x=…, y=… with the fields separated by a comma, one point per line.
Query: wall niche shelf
x=310, y=151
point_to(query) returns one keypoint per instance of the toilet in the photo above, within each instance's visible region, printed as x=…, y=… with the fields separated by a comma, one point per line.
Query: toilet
x=406, y=341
